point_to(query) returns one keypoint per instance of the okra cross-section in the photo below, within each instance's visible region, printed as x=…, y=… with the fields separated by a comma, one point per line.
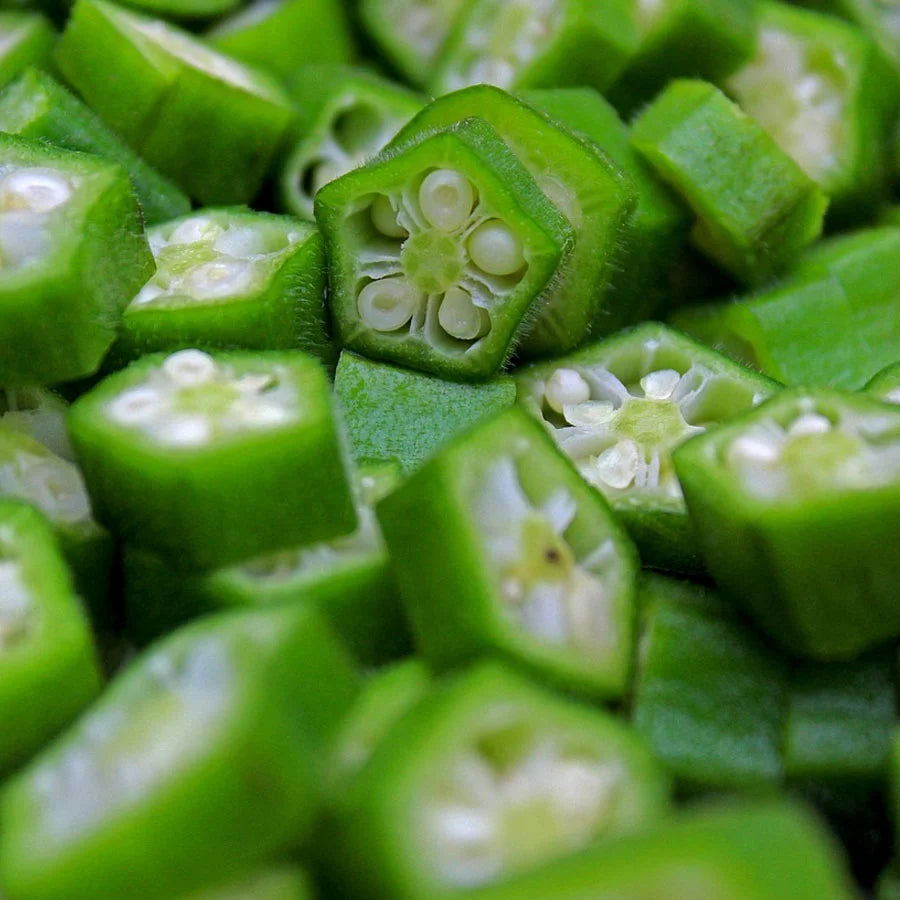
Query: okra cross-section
x=439, y=252
x=499, y=547
x=489, y=775
x=797, y=507
x=619, y=407
x=214, y=459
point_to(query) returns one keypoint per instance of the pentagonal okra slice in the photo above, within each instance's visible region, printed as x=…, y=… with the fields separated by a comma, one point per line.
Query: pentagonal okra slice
x=791, y=502
x=489, y=775
x=26, y=38
x=347, y=116
x=755, y=208
x=227, y=279
x=199, y=761
x=71, y=245
x=271, y=882
x=214, y=459
x=48, y=664
x=439, y=252
x=617, y=409
x=500, y=548
x=593, y=194
x=885, y=385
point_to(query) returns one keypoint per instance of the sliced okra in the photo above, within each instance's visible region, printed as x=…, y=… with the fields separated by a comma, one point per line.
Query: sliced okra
x=49, y=669
x=188, y=11
x=273, y=882
x=211, y=460
x=791, y=503
x=71, y=248
x=209, y=122
x=617, y=409
x=500, y=548
x=590, y=191
x=200, y=760
x=489, y=775
x=41, y=414
x=347, y=116
x=755, y=208
x=26, y=39
x=440, y=252
x=885, y=385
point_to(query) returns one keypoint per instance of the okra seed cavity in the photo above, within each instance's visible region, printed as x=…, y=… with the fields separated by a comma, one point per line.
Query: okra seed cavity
x=189, y=367
x=384, y=218
x=388, y=304
x=460, y=317
x=566, y=387
x=446, y=198
x=14, y=603
x=495, y=248
x=34, y=190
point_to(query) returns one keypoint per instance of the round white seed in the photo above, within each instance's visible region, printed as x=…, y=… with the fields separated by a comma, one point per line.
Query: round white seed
x=189, y=367
x=136, y=406
x=618, y=465
x=35, y=190
x=753, y=448
x=446, y=198
x=387, y=304
x=660, y=385
x=566, y=387
x=460, y=317
x=195, y=229
x=495, y=248
x=220, y=278
x=385, y=219
x=184, y=431
x=808, y=424
x=590, y=414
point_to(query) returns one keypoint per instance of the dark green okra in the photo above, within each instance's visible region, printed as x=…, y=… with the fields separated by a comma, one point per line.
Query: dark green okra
x=211, y=460
x=191, y=12
x=440, y=252
x=39, y=413
x=272, y=882
x=593, y=194
x=885, y=385
x=795, y=504
x=755, y=208
x=202, y=759
x=26, y=39
x=71, y=250
x=500, y=548
x=618, y=408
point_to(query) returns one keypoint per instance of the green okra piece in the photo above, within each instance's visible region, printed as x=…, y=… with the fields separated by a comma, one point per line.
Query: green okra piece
x=211, y=460
x=499, y=548
x=26, y=39
x=885, y=384
x=487, y=776
x=440, y=252
x=347, y=116
x=39, y=108
x=191, y=12
x=40, y=414
x=272, y=882
x=618, y=408
x=791, y=502
x=71, y=249
x=549, y=43
x=590, y=191
x=49, y=669
x=209, y=122
x=201, y=760
x=755, y=208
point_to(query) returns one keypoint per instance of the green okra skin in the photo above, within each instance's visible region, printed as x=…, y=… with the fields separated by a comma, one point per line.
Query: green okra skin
x=272, y=882
x=791, y=503
x=37, y=107
x=71, y=246
x=211, y=460
x=39, y=413
x=201, y=760
x=187, y=11
x=500, y=549
x=755, y=208
x=885, y=384
x=209, y=122
x=46, y=648
x=440, y=252
x=618, y=408
x=593, y=194
x=346, y=117
x=26, y=39
x=450, y=797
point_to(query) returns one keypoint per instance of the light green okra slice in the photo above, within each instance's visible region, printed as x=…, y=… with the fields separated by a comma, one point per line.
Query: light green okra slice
x=273, y=882
x=26, y=39
x=41, y=414
x=885, y=385
x=187, y=11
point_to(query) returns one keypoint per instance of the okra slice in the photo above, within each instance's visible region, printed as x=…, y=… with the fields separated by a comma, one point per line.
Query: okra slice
x=789, y=501
x=755, y=208
x=593, y=194
x=200, y=761
x=546, y=43
x=209, y=122
x=71, y=249
x=26, y=39
x=191, y=12
x=213, y=459
x=39, y=413
x=489, y=775
x=229, y=278
x=439, y=253
x=347, y=117
x=885, y=385
x=48, y=665
x=824, y=92
x=617, y=409
x=274, y=882
x=500, y=548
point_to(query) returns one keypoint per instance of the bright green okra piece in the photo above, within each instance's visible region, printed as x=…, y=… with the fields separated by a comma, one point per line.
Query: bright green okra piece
x=499, y=548
x=885, y=385
x=49, y=669
x=26, y=39
x=273, y=882
x=440, y=253
x=488, y=776
x=209, y=122
x=346, y=117
x=38, y=108
x=211, y=460
x=202, y=759
x=755, y=208
x=791, y=503
x=71, y=249
x=40, y=414
x=619, y=407
x=590, y=191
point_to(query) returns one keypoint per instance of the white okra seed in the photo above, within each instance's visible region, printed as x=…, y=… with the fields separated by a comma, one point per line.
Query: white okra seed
x=387, y=304
x=384, y=218
x=660, y=385
x=189, y=367
x=220, y=278
x=566, y=387
x=446, y=198
x=460, y=317
x=617, y=466
x=496, y=249
x=808, y=424
x=136, y=406
x=34, y=189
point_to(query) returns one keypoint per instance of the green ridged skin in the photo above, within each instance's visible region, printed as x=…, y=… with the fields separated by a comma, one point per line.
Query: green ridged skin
x=274, y=882
x=885, y=385
x=26, y=39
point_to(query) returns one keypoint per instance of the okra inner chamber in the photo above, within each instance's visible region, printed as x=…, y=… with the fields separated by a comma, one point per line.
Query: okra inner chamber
x=16, y=608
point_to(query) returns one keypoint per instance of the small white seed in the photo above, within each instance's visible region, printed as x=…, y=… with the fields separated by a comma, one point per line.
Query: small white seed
x=566, y=387
x=460, y=317
x=387, y=304
x=753, y=448
x=660, y=385
x=136, y=406
x=189, y=367
x=384, y=218
x=194, y=230
x=220, y=278
x=496, y=249
x=618, y=465
x=446, y=198
x=808, y=424
x=590, y=414
x=35, y=190
x=184, y=431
